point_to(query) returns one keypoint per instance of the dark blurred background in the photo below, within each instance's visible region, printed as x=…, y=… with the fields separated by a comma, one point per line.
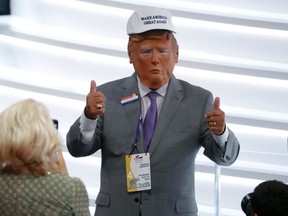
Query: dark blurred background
x=5, y=7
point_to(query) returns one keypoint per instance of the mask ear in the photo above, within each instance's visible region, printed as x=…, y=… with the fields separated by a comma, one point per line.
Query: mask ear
x=130, y=57
x=176, y=56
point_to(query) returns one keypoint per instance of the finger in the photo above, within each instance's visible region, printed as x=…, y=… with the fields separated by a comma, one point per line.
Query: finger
x=92, y=86
x=217, y=103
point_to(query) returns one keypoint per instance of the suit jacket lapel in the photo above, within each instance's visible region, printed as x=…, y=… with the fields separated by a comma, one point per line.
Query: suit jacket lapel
x=174, y=96
x=133, y=109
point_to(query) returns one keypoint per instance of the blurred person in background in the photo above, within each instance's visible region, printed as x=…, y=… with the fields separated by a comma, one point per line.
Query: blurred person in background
x=269, y=198
x=33, y=174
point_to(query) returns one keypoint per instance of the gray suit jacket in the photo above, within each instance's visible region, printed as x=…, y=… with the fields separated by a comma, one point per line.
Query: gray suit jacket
x=180, y=132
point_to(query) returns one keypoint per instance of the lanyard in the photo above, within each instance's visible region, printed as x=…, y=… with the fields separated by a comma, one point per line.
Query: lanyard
x=138, y=132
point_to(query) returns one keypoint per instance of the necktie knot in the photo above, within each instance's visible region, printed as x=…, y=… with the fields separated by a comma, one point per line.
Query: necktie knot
x=152, y=95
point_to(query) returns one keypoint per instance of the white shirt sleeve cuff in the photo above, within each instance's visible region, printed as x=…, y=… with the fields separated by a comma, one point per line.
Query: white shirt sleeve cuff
x=221, y=139
x=87, y=128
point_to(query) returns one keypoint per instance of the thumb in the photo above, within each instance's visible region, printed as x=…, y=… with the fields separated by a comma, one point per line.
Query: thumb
x=217, y=103
x=92, y=86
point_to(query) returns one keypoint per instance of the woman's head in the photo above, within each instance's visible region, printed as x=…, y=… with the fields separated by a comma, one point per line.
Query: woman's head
x=29, y=141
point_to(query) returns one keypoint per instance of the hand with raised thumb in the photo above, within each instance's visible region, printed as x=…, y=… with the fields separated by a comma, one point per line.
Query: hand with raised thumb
x=95, y=102
x=216, y=118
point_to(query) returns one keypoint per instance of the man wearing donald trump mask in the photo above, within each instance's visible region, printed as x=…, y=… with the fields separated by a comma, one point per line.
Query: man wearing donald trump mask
x=150, y=127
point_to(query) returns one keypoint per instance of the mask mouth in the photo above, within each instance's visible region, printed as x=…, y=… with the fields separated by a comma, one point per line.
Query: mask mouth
x=246, y=205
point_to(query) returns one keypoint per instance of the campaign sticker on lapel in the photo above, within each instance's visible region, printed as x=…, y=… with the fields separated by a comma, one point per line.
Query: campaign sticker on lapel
x=129, y=99
x=138, y=173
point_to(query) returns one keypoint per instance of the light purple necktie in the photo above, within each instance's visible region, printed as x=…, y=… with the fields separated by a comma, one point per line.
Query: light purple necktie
x=150, y=120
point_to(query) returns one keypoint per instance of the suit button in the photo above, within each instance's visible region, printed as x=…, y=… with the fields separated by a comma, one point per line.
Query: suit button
x=136, y=199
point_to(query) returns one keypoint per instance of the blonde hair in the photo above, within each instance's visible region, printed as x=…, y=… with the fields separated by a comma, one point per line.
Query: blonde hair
x=153, y=34
x=29, y=141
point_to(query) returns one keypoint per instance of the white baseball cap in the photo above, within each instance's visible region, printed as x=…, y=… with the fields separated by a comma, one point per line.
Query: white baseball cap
x=149, y=18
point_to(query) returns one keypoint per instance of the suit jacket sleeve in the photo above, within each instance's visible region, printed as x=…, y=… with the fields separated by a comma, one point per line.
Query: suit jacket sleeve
x=224, y=158
x=77, y=148
x=212, y=149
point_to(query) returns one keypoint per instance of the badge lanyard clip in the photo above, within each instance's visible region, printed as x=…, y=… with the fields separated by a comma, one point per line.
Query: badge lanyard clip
x=138, y=131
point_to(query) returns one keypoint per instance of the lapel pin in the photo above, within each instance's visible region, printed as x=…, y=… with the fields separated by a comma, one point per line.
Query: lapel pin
x=129, y=98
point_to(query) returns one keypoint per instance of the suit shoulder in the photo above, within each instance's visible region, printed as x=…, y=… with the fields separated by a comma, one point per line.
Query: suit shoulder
x=113, y=82
x=112, y=85
x=190, y=87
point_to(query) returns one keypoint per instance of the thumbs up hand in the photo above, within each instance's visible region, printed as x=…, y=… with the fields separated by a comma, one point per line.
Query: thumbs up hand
x=216, y=118
x=95, y=102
